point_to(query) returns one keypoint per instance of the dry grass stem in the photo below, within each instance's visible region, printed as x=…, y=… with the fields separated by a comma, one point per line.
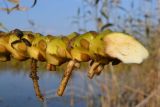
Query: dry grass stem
x=149, y=97
x=128, y=88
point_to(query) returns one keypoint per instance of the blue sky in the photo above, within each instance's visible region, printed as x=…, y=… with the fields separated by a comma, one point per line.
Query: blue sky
x=56, y=16
x=50, y=16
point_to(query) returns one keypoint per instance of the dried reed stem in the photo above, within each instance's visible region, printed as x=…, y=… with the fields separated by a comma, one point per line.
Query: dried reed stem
x=115, y=87
x=146, y=100
x=154, y=93
x=128, y=88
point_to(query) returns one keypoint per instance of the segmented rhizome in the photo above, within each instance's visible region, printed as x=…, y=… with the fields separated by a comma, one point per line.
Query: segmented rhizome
x=98, y=48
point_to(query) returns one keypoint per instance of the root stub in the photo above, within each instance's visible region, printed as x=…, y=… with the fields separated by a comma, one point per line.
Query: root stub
x=35, y=78
x=37, y=90
x=99, y=69
x=66, y=77
x=92, y=70
x=51, y=67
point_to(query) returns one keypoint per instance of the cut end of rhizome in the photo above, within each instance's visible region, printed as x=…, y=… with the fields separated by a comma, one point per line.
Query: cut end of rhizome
x=125, y=48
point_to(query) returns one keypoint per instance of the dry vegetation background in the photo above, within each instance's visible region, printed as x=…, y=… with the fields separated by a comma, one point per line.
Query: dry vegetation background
x=123, y=85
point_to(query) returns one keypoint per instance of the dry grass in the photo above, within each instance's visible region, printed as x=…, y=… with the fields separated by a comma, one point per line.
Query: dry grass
x=134, y=85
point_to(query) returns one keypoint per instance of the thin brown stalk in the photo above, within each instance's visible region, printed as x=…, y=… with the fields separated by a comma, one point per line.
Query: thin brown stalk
x=115, y=87
x=146, y=100
x=154, y=93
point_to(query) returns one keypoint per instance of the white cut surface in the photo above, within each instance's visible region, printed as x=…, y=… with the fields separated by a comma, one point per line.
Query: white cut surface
x=125, y=48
